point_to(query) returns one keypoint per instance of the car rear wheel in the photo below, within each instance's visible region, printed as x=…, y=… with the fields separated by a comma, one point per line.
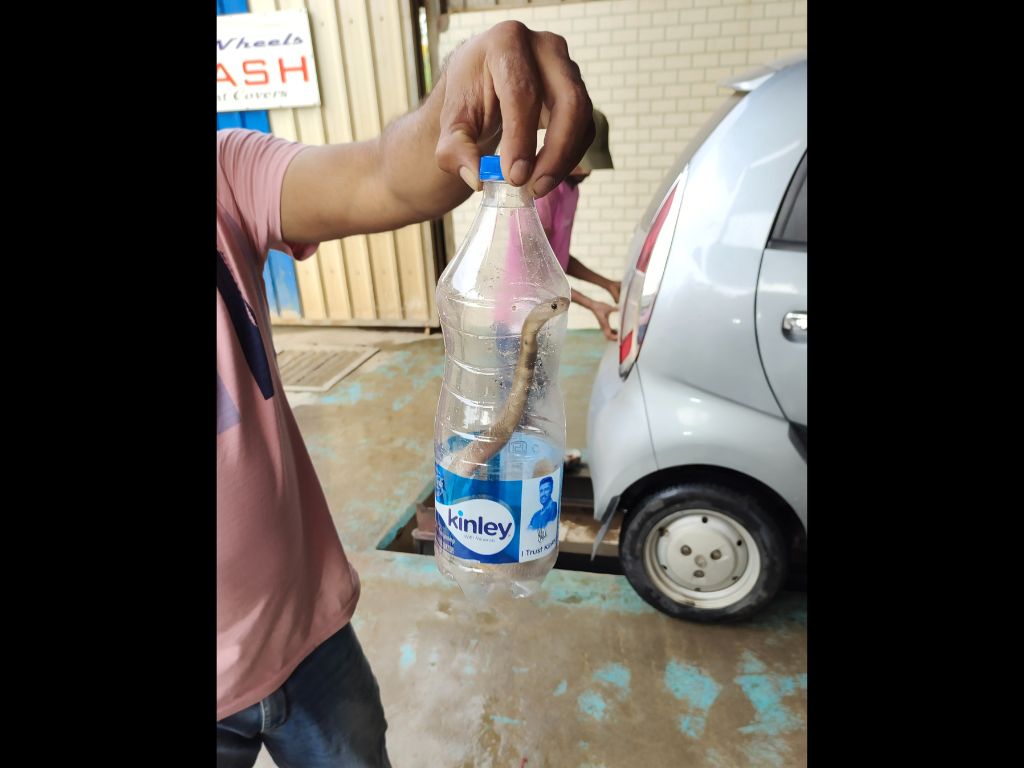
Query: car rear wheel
x=703, y=551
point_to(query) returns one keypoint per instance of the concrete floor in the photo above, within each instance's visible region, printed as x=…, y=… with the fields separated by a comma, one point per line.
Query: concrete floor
x=587, y=674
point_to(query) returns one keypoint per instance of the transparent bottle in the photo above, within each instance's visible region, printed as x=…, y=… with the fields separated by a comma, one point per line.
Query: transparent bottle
x=499, y=436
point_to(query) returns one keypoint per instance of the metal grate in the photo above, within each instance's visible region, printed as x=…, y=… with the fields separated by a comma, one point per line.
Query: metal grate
x=319, y=369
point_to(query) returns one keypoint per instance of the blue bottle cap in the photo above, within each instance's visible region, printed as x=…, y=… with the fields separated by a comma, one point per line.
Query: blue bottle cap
x=490, y=168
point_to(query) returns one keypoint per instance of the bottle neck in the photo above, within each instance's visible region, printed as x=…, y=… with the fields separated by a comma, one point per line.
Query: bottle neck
x=503, y=195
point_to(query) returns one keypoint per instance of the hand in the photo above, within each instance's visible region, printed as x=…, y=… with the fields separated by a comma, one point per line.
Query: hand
x=499, y=81
x=601, y=312
x=613, y=289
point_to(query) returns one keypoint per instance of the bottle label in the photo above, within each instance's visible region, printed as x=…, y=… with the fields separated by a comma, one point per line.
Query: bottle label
x=497, y=521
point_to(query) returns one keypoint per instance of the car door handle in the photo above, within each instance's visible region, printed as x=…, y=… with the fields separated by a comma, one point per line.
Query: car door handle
x=794, y=326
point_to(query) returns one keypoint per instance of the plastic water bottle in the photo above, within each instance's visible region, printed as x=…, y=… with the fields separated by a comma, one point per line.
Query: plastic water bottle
x=499, y=478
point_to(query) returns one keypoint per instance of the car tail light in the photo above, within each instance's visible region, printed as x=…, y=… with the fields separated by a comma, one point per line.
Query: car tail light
x=644, y=279
x=625, y=347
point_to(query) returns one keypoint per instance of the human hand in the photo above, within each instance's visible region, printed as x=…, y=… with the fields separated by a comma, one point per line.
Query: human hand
x=613, y=289
x=601, y=312
x=499, y=81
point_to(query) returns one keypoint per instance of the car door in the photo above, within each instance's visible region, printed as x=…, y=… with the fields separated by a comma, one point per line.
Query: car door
x=781, y=304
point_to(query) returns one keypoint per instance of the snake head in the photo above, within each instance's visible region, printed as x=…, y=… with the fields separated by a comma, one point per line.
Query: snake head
x=559, y=305
x=543, y=312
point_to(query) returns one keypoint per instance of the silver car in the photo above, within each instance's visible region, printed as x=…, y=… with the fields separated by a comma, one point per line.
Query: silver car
x=697, y=427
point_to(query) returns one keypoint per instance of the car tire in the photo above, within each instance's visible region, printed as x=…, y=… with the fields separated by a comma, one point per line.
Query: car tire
x=718, y=551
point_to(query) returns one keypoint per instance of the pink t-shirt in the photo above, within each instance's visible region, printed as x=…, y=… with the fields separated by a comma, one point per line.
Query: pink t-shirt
x=557, y=209
x=284, y=584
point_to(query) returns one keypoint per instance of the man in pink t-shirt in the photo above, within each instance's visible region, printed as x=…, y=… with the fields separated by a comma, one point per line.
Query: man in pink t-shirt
x=557, y=211
x=290, y=672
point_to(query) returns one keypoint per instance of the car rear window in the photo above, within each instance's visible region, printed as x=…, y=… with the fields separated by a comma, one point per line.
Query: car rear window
x=790, y=228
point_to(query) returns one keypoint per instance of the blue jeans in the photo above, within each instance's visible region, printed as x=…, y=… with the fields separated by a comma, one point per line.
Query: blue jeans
x=326, y=715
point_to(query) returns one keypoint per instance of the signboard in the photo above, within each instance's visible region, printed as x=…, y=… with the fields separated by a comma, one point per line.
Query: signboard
x=265, y=61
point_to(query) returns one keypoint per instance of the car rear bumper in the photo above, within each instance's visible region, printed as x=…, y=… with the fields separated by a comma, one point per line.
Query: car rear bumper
x=619, y=448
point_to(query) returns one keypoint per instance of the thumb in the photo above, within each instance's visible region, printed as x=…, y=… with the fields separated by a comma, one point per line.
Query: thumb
x=457, y=153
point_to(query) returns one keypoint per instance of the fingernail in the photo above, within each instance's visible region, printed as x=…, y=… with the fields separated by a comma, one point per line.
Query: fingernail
x=470, y=178
x=543, y=185
x=520, y=172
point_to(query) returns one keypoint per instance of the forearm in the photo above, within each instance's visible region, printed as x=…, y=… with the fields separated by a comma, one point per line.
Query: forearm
x=576, y=269
x=410, y=169
x=582, y=299
x=427, y=162
x=601, y=312
x=378, y=185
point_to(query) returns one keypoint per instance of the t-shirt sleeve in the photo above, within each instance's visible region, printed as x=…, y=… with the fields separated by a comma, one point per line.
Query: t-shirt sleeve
x=552, y=211
x=545, y=210
x=251, y=172
x=567, y=214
